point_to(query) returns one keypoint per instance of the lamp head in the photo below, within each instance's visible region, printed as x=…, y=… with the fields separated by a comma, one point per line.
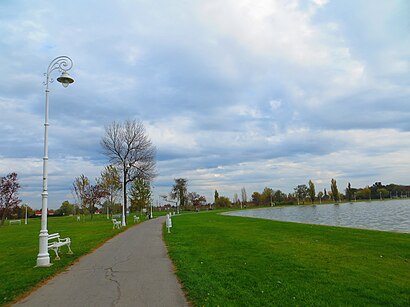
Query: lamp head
x=65, y=79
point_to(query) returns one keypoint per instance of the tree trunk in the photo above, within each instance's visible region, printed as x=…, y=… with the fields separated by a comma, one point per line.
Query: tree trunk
x=3, y=216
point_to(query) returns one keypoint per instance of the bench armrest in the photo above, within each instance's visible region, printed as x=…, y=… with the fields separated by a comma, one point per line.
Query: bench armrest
x=64, y=240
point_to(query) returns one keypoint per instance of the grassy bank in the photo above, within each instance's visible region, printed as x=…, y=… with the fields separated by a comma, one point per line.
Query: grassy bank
x=19, y=249
x=234, y=261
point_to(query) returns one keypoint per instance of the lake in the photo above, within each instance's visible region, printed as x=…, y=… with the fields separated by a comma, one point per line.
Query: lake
x=390, y=215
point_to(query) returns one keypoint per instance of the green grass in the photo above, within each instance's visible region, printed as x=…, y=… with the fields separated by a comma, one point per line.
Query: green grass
x=19, y=248
x=235, y=261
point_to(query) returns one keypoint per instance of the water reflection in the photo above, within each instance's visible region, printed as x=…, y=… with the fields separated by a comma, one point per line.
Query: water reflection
x=391, y=215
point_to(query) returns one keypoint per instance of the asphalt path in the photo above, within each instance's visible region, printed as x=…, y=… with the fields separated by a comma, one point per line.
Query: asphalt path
x=131, y=269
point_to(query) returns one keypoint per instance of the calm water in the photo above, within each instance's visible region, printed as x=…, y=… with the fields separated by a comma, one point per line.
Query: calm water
x=391, y=215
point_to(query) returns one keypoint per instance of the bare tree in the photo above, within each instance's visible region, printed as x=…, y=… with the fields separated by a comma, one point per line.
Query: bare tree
x=128, y=147
x=243, y=196
x=9, y=187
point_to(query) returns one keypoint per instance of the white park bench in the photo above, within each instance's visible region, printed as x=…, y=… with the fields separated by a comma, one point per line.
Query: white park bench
x=116, y=224
x=136, y=218
x=15, y=222
x=55, y=243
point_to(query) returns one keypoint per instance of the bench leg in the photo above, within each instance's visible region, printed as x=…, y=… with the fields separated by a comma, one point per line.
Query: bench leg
x=57, y=256
x=70, y=252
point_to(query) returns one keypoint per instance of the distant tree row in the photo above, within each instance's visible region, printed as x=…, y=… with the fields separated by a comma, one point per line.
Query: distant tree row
x=301, y=194
x=377, y=191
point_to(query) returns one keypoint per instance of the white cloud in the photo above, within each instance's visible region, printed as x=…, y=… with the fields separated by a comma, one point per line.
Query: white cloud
x=362, y=162
x=275, y=104
x=245, y=110
x=320, y=2
x=61, y=174
x=273, y=92
x=176, y=133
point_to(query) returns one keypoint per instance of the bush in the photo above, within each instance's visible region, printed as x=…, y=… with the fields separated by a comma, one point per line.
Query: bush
x=222, y=202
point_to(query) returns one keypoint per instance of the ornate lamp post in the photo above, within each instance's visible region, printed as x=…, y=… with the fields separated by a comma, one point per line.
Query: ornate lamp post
x=124, y=195
x=62, y=64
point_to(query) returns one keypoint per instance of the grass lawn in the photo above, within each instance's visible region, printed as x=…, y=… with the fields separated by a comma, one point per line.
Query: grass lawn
x=236, y=261
x=19, y=248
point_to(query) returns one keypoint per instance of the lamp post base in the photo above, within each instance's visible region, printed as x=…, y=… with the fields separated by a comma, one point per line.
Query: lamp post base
x=43, y=257
x=43, y=261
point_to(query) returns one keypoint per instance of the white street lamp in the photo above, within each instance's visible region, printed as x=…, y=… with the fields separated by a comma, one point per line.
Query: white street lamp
x=123, y=204
x=62, y=64
x=25, y=219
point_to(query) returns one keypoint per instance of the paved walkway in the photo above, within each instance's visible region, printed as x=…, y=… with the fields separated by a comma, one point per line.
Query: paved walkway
x=132, y=269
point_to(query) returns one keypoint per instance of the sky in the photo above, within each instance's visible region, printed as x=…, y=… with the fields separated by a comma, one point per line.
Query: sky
x=233, y=93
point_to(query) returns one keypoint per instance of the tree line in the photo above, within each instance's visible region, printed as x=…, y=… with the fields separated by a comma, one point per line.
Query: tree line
x=307, y=194
x=302, y=194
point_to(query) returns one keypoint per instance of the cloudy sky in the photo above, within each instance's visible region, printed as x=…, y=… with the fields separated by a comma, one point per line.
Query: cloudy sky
x=233, y=93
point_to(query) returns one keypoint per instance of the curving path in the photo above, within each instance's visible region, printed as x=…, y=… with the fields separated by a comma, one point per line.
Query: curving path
x=131, y=269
